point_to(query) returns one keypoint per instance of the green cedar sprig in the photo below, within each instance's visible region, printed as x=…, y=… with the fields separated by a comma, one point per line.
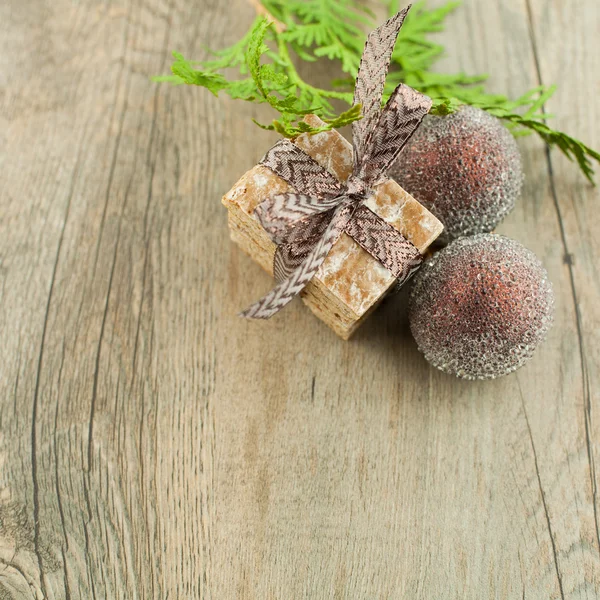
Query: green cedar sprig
x=276, y=83
x=334, y=29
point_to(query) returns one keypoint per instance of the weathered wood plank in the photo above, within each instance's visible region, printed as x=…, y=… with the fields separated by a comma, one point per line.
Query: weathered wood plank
x=575, y=66
x=80, y=516
x=152, y=445
x=551, y=389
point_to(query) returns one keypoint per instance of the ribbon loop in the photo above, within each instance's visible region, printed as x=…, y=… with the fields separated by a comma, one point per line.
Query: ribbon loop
x=397, y=122
x=370, y=81
x=284, y=214
x=301, y=171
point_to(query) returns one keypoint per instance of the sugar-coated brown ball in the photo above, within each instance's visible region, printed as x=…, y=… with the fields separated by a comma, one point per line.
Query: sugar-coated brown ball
x=465, y=168
x=480, y=306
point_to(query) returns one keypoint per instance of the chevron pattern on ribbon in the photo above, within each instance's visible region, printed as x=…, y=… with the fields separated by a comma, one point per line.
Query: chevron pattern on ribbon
x=397, y=254
x=284, y=214
x=281, y=295
x=293, y=164
x=371, y=77
x=307, y=222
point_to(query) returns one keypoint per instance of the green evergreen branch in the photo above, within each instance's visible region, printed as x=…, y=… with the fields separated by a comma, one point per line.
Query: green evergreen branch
x=324, y=28
x=276, y=83
x=334, y=29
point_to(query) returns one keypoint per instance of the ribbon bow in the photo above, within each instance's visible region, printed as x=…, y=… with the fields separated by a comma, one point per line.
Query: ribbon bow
x=305, y=225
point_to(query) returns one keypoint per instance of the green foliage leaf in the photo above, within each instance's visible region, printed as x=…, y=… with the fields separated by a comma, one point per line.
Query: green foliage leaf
x=335, y=29
x=413, y=61
x=275, y=82
x=290, y=129
x=415, y=51
x=573, y=149
x=324, y=28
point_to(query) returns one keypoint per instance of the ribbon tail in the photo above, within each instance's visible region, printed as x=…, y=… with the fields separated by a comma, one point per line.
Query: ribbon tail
x=301, y=239
x=370, y=81
x=283, y=293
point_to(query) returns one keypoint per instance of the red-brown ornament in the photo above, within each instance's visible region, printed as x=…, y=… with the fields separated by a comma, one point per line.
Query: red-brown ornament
x=465, y=168
x=479, y=307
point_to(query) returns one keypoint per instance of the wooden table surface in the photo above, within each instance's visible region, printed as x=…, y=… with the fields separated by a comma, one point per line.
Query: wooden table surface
x=153, y=445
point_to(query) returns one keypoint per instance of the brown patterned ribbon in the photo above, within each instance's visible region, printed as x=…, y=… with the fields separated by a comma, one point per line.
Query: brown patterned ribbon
x=307, y=223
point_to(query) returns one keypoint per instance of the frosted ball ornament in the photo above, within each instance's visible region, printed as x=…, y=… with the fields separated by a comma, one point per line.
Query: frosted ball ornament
x=480, y=306
x=465, y=168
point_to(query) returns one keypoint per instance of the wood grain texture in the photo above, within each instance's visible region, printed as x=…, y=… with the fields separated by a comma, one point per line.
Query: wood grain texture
x=153, y=445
